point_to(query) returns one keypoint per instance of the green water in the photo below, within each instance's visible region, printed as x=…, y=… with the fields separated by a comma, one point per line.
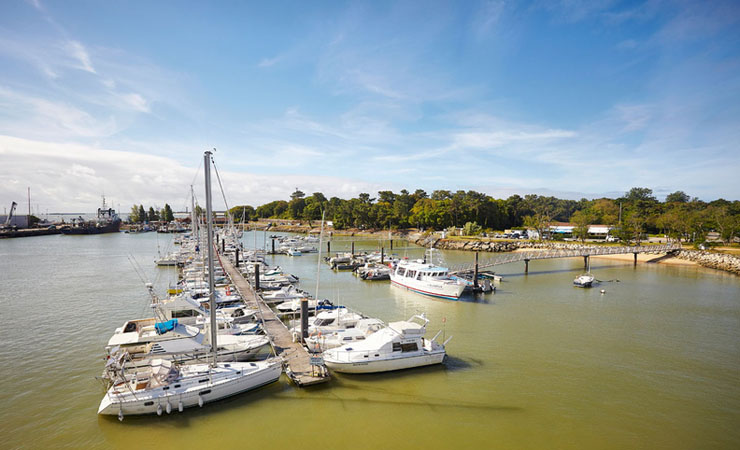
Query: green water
x=653, y=363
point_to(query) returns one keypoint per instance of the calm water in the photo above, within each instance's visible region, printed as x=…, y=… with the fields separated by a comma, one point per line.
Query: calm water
x=653, y=363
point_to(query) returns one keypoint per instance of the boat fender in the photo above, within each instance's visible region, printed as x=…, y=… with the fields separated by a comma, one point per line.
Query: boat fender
x=200, y=401
x=179, y=406
x=120, y=415
x=159, y=409
x=168, y=408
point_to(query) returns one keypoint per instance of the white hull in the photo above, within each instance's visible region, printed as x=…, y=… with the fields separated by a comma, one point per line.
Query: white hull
x=185, y=393
x=446, y=290
x=384, y=365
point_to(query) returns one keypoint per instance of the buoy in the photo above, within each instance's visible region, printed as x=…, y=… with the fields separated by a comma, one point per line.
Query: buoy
x=179, y=406
x=603, y=291
x=200, y=401
x=159, y=409
x=120, y=415
x=169, y=407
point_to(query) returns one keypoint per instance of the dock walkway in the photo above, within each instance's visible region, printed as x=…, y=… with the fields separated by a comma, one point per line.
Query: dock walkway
x=296, y=358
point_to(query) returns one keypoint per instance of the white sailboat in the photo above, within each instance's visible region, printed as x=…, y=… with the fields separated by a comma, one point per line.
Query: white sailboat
x=163, y=385
x=585, y=280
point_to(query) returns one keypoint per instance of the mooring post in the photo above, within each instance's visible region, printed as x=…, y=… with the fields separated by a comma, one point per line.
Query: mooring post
x=223, y=246
x=635, y=258
x=526, y=266
x=353, y=249
x=391, y=244
x=475, y=272
x=273, y=246
x=304, y=319
x=237, y=257
x=328, y=246
x=382, y=255
x=585, y=261
x=256, y=276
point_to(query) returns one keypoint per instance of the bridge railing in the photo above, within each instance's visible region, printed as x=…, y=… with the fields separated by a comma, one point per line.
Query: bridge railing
x=565, y=253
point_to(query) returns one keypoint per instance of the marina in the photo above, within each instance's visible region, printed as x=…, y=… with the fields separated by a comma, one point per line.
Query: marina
x=522, y=356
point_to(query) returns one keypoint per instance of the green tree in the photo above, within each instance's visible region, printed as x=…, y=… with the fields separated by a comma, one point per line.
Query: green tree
x=581, y=220
x=471, y=229
x=152, y=216
x=677, y=197
x=133, y=216
x=142, y=214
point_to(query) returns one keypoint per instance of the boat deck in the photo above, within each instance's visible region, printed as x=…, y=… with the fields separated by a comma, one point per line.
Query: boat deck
x=297, y=359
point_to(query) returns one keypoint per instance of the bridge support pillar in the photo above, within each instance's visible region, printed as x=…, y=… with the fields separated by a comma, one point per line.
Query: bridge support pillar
x=635, y=258
x=526, y=266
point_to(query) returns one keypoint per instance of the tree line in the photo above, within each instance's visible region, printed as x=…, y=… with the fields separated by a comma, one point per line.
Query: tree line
x=140, y=215
x=632, y=216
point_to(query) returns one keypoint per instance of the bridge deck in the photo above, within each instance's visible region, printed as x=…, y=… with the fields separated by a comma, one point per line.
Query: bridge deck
x=565, y=253
x=297, y=360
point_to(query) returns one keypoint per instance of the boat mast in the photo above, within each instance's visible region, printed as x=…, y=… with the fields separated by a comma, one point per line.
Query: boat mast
x=209, y=231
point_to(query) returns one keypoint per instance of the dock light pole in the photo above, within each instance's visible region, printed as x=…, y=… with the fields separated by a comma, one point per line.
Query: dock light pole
x=209, y=230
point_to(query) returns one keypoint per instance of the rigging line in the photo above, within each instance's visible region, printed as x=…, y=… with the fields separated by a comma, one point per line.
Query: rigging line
x=218, y=177
x=197, y=171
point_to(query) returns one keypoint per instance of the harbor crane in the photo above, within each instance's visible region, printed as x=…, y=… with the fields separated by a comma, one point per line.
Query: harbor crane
x=10, y=216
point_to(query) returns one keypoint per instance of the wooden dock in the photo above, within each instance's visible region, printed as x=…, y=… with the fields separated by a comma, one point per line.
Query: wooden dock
x=295, y=357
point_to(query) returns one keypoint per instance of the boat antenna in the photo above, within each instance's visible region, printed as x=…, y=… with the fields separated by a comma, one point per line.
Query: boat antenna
x=209, y=232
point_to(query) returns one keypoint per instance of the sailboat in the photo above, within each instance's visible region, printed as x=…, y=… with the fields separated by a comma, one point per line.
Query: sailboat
x=163, y=384
x=585, y=280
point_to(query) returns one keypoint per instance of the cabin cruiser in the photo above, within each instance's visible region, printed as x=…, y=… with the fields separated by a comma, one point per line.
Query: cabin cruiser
x=319, y=341
x=401, y=345
x=427, y=279
x=164, y=385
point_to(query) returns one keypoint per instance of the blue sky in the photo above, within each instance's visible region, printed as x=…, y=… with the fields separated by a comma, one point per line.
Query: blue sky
x=571, y=98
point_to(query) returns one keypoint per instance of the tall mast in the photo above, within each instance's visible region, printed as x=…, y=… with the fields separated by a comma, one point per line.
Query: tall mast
x=192, y=210
x=209, y=230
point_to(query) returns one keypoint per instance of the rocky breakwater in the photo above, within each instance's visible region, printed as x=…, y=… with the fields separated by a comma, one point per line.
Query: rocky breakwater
x=719, y=261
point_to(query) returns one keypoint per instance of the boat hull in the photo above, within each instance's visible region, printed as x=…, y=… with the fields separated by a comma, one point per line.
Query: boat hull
x=447, y=292
x=384, y=365
x=188, y=394
x=113, y=227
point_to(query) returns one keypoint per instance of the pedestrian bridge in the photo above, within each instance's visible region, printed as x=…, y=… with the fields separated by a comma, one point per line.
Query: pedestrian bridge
x=584, y=252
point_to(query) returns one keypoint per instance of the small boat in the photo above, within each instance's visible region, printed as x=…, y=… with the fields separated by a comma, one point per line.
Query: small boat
x=293, y=252
x=295, y=305
x=401, y=345
x=585, y=280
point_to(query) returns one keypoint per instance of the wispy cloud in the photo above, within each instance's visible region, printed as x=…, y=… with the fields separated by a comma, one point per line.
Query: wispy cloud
x=78, y=52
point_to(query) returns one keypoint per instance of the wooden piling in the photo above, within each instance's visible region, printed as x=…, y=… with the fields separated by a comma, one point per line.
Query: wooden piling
x=256, y=276
x=635, y=259
x=475, y=272
x=353, y=249
x=526, y=266
x=382, y=255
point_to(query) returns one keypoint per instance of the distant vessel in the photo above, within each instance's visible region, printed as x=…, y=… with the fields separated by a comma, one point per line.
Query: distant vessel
x=107, y=221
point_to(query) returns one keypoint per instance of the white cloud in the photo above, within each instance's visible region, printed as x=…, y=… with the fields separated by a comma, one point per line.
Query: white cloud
x=78, y=52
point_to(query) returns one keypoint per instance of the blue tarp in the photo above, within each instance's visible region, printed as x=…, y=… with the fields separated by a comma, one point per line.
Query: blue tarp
x=163, y=327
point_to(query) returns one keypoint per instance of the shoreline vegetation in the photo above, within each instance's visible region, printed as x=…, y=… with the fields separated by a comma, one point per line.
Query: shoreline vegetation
x=723, y=258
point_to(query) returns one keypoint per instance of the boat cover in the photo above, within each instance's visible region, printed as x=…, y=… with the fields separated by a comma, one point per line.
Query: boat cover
x=163, y=327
